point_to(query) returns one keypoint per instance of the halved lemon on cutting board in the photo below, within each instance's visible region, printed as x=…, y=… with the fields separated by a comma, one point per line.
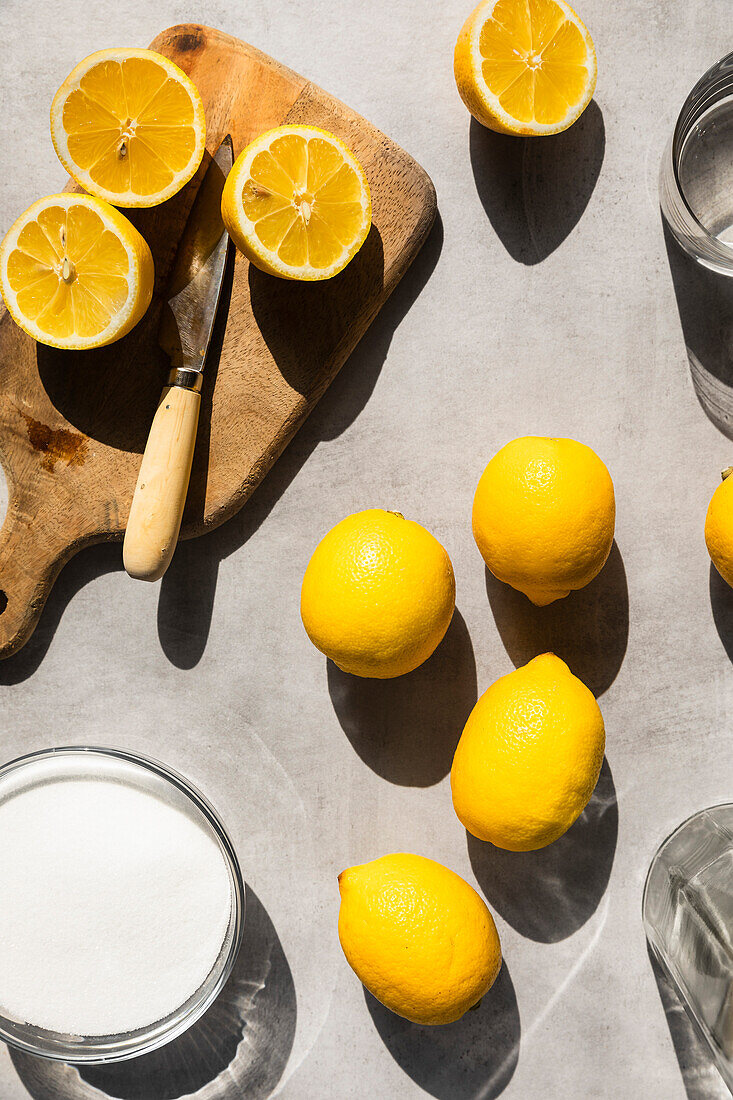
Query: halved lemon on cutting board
x=128, y=125
x=297, y=203
x=525, y=66
x=74, y=272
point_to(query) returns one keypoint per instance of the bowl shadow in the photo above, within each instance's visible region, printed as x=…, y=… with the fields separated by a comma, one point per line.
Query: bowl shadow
x=548, y=894
x=474, y=1057
x=534, y=190
x=239, y=1047
x=589, y=629
x=406, y=729
x=700, y=1076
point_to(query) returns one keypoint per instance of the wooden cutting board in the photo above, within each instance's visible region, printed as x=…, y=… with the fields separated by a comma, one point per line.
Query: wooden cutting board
x=73, y=425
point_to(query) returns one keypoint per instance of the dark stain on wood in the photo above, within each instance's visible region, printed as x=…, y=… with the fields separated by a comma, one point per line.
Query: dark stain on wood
x=189, y=41
x=56, y=444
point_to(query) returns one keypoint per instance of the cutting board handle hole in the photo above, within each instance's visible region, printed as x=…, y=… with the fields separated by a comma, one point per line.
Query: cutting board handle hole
x=3, y=601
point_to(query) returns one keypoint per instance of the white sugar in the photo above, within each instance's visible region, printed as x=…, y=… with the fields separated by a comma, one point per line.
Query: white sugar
x=114, y=905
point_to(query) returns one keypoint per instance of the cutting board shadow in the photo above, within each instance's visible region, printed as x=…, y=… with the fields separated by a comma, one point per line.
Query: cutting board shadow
x=73, y=425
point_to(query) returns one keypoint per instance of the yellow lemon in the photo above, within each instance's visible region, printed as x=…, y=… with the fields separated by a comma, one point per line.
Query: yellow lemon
x=418, y=936
x=529, y=757
x=378, y=594
x=543, y=516
x=297, y=203
x=74, y=272
x=525, y=66
x=719, y=527
x=128, y=125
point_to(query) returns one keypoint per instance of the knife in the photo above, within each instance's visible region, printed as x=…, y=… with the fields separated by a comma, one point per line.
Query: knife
x=188, y=320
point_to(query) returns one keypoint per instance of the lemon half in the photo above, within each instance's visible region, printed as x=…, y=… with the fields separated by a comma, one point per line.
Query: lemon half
x=128, y=125
x=74, y=272
x=525, y=66
x=297, y=203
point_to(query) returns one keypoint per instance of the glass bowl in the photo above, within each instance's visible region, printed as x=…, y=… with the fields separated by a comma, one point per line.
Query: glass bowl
x=91, y=762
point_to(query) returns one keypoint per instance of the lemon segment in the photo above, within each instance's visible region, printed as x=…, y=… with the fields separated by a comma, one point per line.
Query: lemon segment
x=378, y=594
x=525, y=66
x=418, y=936
x=529, y=757
x=128, y=125
x=297, y=203
x=74, y=272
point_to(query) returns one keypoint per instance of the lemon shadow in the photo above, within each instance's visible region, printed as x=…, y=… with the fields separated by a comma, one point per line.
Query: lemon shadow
x=534, y=190
x=589, y=629
x=475, y=1056
x=407, y=729
x=548, y=894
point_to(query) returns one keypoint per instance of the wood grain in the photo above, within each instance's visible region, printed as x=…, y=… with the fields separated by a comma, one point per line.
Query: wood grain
x=73, y=425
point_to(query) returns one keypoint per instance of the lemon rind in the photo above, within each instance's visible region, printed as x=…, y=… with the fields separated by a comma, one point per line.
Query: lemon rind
x=59, y=137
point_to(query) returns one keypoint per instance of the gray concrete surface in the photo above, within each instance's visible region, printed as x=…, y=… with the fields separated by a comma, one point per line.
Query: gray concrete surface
x=542, y=303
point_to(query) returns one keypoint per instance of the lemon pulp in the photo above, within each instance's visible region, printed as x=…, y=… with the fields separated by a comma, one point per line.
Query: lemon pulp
x=304, y=201
x=534, y=60
x=525, y=66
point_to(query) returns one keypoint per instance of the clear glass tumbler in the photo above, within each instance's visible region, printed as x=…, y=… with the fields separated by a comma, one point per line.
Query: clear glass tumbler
x=688, y=919
x=696, y=177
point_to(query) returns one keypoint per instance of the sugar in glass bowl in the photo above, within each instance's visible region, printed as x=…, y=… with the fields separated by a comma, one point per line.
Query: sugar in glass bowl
x=123, y=904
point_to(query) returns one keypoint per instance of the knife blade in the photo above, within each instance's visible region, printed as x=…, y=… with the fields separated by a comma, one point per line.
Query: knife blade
x=189, y=315
x=194, y=286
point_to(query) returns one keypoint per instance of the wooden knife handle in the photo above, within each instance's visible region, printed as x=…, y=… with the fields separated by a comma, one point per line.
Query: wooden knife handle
x=162, y=484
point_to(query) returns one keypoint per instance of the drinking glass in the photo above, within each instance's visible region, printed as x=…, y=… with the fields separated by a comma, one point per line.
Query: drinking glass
x=696, y=177
x=688, y=918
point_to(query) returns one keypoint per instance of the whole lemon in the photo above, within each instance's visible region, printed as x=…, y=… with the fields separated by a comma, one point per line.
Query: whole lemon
x=378, y=594
x=719, y=527
x=543, y=516
x=529, y=757
x=418, y=936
